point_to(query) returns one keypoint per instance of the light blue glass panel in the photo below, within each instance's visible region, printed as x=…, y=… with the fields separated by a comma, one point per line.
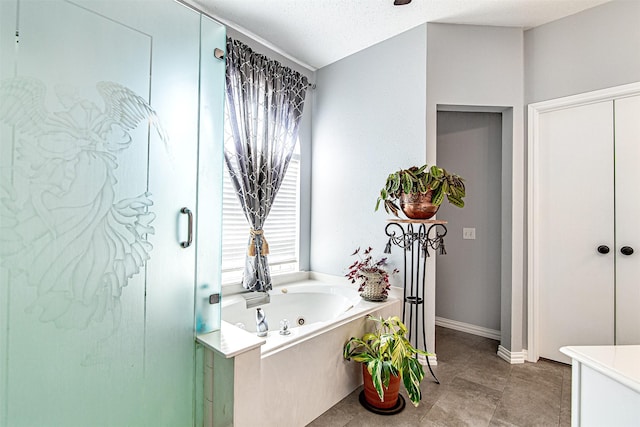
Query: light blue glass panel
x=75, y=314
x=210, y=172
x=7, y=50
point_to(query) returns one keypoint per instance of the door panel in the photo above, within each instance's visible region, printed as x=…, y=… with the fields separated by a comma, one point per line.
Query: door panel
x=627, y=143
x=210, y=178
x=97, y=311
x=576, y=298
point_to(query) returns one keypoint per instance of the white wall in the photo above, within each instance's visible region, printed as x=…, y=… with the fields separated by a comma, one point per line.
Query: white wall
x=369, y=120
x=483, y=66
x=591, y=50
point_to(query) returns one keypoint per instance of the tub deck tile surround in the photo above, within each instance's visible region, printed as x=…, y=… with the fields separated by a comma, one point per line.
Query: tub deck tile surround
x=232, y=363
x=230, y=341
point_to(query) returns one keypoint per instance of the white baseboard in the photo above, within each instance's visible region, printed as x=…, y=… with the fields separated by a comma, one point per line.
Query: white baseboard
x=503, y=353
x=468, y=328
x=512, y=357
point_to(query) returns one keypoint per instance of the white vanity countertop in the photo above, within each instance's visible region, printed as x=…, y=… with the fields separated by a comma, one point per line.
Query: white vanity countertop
x=229, y=340
x=619, y=362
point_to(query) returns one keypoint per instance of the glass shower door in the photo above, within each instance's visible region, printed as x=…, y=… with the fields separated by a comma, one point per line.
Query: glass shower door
x=99, y=127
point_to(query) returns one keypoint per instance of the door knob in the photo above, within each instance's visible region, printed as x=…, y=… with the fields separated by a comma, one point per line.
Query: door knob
x=626, y=250
x=603, y=249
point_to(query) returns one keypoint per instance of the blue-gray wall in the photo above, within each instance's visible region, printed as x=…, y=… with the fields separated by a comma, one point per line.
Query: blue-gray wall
x=369, y=120
x=468, y=278
x=481, y=68
x=375, y=111
x=591, y=50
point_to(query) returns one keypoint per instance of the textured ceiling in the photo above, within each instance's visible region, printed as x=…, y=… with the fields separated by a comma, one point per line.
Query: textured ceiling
x=319, y=32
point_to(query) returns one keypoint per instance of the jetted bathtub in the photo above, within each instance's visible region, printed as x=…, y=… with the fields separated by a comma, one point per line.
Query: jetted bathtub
x=297, y=377
x=308, y=307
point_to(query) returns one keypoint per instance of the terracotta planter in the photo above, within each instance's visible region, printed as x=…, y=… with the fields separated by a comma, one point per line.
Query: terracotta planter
x=418, y=205
x=390, y=393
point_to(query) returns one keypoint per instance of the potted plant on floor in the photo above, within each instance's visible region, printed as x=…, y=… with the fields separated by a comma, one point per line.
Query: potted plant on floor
x=372, y=274
x=387, y=358
x=419, y=191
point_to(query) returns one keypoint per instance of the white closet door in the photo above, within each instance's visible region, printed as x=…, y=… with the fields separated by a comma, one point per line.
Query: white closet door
x=627, y=119
x=575, y=216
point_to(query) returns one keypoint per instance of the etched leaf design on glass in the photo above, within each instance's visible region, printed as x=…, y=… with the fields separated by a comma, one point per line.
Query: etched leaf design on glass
x=60, y=207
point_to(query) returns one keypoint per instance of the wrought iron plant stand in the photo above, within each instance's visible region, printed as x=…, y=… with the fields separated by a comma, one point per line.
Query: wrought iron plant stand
x=416, y=238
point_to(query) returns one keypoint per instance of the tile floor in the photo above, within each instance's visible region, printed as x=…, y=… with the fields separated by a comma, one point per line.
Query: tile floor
x=476, y=388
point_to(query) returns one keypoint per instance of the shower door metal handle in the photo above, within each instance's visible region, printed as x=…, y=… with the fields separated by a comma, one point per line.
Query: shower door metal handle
x=190, y=227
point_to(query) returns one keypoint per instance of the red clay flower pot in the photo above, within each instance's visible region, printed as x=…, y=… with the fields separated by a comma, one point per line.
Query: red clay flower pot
x=390, y=393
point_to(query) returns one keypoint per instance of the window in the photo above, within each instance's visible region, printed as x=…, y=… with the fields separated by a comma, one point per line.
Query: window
x=281, y=227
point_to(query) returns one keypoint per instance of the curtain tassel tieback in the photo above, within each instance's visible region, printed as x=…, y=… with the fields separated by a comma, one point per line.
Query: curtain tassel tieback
x=264, y=250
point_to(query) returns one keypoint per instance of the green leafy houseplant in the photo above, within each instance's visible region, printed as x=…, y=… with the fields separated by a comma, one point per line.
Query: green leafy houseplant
x=422, y=180
x=387, y=352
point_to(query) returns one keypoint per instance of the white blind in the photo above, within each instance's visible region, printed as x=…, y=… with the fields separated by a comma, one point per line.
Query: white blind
x=280, y=229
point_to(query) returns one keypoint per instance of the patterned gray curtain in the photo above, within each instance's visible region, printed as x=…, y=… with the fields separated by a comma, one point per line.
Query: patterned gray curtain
x=264, y=102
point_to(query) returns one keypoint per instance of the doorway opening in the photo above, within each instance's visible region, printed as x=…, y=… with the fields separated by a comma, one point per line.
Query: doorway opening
x=473, y=283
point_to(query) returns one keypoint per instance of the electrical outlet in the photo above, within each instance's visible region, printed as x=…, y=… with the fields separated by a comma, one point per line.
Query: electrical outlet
x=469, y=233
